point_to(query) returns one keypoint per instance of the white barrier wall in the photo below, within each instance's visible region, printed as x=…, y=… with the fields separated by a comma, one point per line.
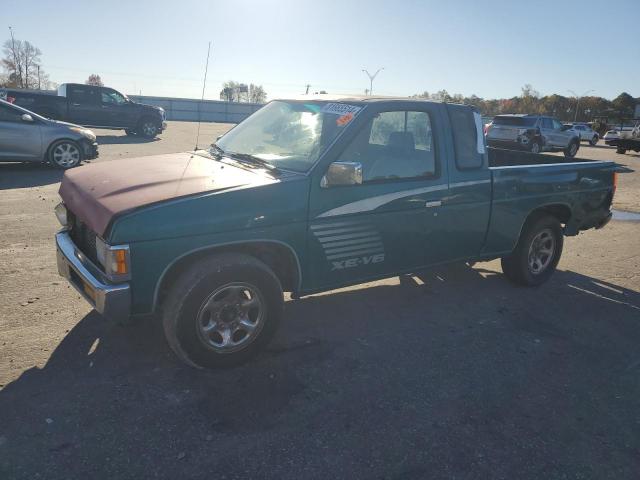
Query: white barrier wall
x=193, y=110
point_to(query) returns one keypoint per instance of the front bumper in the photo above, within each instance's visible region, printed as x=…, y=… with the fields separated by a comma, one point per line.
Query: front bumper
x=112, y=301
x=89, y=149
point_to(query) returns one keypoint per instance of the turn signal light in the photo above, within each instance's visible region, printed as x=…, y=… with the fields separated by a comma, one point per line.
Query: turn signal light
x=121, y=262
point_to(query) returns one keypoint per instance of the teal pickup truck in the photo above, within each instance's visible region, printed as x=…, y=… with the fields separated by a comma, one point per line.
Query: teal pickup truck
x=306, y=196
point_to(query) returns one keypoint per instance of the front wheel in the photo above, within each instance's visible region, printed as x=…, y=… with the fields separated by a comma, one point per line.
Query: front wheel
x=571, y=150
x=535, y=147
x=64, y=154
x=148, y=128
x=222, y=310
x=537, y=253
x=621, y=150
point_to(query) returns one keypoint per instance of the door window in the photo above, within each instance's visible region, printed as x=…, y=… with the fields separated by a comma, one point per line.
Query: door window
x=111, y=97
x=547, y=123
x=8, y=114
x=394, y=145
x=82, y=95
x=556, y=124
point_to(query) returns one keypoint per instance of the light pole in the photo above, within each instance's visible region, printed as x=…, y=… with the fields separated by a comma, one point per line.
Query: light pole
x=578, y=97
x=371, y=78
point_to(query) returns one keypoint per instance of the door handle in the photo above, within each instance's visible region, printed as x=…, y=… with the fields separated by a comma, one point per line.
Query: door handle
x=75, y=104
x=436, y=203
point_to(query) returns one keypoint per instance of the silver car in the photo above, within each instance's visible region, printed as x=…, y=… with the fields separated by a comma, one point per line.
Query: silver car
x=28, y=137
x=586, y=133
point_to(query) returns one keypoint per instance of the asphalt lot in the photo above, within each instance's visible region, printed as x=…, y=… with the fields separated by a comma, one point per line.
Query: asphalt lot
x=452, y=373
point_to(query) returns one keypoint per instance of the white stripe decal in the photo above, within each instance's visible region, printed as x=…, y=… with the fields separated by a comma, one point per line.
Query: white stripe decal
x=468, y=184
x=353, y=247
x=369, y=204
x=344, y=243
x=371, y=235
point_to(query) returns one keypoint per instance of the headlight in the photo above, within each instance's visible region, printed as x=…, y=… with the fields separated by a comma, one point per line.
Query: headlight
x=116, y=260
x=61, y=214
x=85, y=132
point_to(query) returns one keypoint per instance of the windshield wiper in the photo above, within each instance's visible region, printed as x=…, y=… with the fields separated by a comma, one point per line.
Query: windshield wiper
x=252, y=159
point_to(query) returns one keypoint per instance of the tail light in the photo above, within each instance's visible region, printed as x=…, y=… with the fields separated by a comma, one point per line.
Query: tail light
x=11, y=99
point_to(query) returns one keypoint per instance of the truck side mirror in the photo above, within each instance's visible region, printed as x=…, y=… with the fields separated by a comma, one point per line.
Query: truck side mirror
x=27, y=118
x=342, y=173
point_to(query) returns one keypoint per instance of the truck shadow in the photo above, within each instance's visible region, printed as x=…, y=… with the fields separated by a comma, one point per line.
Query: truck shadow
x=25, y=175
x=447, y=340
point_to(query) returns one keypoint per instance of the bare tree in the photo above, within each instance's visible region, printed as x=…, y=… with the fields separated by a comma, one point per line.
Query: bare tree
x=257, y=94
x=95, y=80
x=22, y=64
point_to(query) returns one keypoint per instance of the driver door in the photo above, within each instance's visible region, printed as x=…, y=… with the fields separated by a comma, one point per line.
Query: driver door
x=392, y=220
x=116, y=110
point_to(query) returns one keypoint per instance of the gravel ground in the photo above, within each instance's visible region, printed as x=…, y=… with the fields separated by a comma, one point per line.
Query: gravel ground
x=453, y=373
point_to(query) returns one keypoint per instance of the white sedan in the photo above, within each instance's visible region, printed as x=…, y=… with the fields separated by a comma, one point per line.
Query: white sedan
x=587, y=134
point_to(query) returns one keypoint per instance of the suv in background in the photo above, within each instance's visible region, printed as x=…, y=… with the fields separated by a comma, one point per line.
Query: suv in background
x=533, y=133
x=586, y=133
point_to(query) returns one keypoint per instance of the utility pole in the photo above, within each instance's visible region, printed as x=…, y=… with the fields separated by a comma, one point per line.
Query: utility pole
x=38, y=67
x=371, y=78
x=308, y=87
x=578, y=97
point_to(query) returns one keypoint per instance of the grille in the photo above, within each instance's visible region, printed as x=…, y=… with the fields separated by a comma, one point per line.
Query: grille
x=83, y=237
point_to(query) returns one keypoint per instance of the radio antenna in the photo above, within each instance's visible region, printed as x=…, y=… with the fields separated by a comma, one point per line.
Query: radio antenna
x=206, y=69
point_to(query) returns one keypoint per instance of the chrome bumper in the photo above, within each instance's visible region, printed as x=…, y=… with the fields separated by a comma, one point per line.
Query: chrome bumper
x=112, y=301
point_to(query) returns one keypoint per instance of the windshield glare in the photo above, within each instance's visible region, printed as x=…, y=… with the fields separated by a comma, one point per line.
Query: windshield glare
x=289, y=135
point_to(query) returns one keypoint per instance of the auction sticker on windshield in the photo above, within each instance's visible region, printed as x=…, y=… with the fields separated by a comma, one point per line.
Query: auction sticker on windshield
x=340, y=109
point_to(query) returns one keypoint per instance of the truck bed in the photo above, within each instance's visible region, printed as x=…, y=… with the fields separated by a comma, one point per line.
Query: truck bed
x=500, y=157
x=578, y=191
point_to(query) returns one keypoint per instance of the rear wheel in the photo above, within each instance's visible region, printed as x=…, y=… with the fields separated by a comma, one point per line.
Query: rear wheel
x=64, y=154
x=221, y=311
x=621, y=150
x=571, y=150
x=594, y=140
x=537, y=253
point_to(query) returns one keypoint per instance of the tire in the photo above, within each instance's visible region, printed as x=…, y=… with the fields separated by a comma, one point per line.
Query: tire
x=528, y=265
x=535, y=147
x=130, y=132
x=219, y=291
x=64, y=154
x=621, y=150
x=594, y=140
x=572, y=149
x=148, y=128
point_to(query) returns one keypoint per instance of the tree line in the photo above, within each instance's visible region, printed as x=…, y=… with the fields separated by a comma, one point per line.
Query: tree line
x=567, y=109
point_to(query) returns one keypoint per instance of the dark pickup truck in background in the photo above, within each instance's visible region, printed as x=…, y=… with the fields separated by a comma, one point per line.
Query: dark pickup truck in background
x=93, y=106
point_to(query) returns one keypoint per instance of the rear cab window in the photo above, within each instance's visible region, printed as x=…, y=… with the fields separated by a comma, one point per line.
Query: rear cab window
x=468, y=153
x=81, y=94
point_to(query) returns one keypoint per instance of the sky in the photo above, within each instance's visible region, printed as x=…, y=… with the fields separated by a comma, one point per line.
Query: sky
x=489, y=48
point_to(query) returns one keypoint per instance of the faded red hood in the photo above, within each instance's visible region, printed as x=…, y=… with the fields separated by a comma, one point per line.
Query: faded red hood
x=96, y=193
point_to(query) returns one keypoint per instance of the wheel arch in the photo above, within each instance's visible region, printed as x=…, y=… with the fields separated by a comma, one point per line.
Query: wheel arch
x=277, y=255
x=559, y=210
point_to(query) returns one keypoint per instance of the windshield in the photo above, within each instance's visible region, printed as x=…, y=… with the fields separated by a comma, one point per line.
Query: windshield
x=289, y=135
x=515, y=121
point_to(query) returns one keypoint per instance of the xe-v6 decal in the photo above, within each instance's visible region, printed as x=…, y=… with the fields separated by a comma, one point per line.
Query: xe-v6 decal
x=349, y=244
